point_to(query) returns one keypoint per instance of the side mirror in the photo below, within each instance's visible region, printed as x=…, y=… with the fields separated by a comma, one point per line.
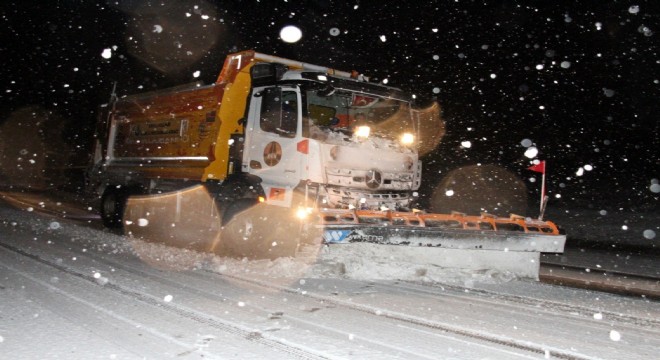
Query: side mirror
x=267, y=73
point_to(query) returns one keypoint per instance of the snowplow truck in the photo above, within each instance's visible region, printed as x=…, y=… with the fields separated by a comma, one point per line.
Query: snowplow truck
x=298, y=139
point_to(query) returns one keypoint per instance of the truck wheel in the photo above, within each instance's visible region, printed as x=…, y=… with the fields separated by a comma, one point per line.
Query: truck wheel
x=236, y=208
x=261, y=231
x=284, y=234
x=113, y=204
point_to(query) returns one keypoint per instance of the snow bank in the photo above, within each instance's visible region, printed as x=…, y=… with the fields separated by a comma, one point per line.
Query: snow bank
x=314, y=263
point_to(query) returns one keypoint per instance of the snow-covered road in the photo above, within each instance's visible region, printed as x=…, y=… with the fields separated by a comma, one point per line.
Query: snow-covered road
x=69, y=290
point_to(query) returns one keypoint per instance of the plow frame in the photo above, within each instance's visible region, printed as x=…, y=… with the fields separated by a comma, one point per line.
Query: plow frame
x=456, y=240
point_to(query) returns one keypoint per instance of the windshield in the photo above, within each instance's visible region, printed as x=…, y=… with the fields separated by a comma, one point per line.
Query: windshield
x=344, y=111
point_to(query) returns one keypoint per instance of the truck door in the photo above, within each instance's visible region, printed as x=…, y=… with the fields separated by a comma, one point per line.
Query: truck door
x=271, y=141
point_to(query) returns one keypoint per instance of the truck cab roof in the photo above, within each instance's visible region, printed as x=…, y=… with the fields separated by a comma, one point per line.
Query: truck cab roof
x=342, y=83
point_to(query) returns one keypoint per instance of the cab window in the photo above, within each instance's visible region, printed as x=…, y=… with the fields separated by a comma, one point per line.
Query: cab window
x=279, y=112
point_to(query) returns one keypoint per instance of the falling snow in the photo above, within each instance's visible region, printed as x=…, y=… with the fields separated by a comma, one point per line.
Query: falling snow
x=655, y=188
x=615, y=335
x=290, y=34
x=107, y=53
x=531, y=152
x=581, y=109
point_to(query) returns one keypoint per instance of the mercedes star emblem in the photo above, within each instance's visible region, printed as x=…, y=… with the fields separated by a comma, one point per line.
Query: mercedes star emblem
x=373, y=179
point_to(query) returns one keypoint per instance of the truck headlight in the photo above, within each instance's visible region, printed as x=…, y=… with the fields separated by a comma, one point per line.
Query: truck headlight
x=407, y=139
x=362, y=131
x=302, y=212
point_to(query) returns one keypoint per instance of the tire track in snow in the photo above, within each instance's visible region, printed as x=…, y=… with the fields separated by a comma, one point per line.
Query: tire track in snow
x=379, y=344
x=236, y=329
x=568, y=310
x=589, y=320
x=97, y=309
x=410, y=319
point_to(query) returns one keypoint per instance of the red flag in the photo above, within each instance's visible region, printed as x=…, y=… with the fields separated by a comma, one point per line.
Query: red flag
x=540, y=167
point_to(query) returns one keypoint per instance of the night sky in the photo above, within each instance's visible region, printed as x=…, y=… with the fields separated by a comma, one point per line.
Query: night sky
x=580, y=81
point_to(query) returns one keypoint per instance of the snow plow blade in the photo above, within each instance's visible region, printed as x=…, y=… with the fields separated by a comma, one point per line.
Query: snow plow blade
x=478, y=243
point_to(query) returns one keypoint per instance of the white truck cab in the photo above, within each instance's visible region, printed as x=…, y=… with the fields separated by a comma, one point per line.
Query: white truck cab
x=348, y=143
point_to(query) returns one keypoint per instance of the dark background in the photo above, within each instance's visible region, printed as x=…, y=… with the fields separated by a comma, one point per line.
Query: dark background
x=495, y=68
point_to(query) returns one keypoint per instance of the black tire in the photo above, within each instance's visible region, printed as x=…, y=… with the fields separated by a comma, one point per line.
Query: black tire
x=113, y=204
x=236, y=208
